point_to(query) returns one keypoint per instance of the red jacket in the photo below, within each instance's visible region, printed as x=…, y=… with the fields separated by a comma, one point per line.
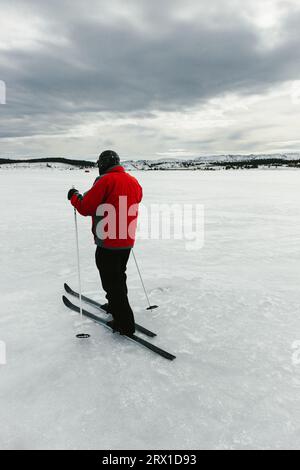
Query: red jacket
x=113, y=204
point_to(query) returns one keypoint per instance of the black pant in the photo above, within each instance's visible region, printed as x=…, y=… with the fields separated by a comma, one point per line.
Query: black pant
x=112, y=266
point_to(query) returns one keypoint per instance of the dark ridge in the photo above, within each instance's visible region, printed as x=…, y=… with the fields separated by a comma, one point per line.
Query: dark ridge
x=258, y=162
x=79, y=163
x=183, y=164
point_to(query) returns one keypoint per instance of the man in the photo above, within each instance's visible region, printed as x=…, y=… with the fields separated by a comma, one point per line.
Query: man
x=112, y=202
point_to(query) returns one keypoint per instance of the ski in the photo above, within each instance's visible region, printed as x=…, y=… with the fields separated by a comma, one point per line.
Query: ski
x=92, y=302
x=134, y=337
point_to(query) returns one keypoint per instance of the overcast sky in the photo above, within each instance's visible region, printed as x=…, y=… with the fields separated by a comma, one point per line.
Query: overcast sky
x=149, y=78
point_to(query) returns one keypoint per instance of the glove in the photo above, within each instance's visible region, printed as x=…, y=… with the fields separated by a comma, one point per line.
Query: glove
x=71, y=193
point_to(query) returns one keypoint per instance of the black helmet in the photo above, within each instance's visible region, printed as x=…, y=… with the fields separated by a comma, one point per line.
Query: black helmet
x=106, y=160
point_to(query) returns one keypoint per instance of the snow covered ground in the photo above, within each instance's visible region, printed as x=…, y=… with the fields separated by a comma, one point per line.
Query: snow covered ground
x=229, y=311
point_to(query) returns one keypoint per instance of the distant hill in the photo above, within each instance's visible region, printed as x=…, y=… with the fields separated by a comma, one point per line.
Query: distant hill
x=60, y=160
x=227, y=162
x=218, y=162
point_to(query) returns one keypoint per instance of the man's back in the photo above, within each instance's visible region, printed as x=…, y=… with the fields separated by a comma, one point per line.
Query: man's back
x=115, y=195
x=112, y=202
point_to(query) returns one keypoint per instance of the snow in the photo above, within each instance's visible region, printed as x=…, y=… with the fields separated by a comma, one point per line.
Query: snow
x=230, y=312
x=38, y=166
x=205, y=162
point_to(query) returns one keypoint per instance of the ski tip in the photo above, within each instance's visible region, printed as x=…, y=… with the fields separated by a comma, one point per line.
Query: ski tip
x=152, y=307
x=67, y=287
x=65, y=300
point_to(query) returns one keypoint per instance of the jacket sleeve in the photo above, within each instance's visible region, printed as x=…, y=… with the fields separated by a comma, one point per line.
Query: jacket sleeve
x=89, y=203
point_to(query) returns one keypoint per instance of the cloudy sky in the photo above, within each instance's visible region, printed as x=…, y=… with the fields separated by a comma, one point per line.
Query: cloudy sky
x=149, y=78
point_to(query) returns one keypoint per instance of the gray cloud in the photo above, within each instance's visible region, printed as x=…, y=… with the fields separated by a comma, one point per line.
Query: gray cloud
x=143, y=60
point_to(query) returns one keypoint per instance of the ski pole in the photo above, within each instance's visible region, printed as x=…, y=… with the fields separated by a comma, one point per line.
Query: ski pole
x=150, y=307
x=80, y=335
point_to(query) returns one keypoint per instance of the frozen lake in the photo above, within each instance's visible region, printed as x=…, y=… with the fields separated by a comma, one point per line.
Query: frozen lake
x=230, y=312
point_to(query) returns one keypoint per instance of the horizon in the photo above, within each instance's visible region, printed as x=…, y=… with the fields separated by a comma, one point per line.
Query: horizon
x=149, y=79
x=124, y=160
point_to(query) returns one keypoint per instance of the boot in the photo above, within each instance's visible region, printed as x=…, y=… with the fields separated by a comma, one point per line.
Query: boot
x=106, y=308
x=124, y=331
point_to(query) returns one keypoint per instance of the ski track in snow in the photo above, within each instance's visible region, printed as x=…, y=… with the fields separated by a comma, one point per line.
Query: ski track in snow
x=230, y=313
